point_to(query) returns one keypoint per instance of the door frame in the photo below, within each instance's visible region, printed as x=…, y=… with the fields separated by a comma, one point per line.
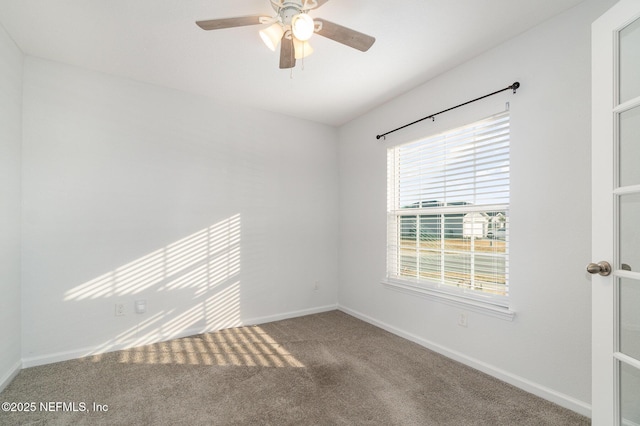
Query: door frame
x=605, y=389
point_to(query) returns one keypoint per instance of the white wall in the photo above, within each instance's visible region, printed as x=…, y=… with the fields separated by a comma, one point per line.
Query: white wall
x=215, y=214
x=10, y=136
x=546, y=349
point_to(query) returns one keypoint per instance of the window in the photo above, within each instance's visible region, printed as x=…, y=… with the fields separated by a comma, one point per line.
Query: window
x=448, y=213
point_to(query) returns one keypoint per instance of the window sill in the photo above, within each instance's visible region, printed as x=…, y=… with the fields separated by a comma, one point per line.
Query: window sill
x=452, y=299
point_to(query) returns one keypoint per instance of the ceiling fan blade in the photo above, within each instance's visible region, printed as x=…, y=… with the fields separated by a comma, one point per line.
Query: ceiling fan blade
x=287, y=55
x=218, y=24
x=319, y=3
x=345, y=35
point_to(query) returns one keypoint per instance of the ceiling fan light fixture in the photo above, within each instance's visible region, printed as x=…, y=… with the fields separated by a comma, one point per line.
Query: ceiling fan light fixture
x=291, y=27
x=272, y=35
x=302, y=26
x=301, y=49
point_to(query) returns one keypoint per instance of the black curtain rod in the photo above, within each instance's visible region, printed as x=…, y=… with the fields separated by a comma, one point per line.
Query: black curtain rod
x=514, y=87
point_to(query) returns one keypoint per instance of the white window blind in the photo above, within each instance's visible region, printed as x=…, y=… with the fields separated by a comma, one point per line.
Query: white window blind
x=448, y=211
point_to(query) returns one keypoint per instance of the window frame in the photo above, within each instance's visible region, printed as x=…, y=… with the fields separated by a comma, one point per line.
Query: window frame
x=469, y=299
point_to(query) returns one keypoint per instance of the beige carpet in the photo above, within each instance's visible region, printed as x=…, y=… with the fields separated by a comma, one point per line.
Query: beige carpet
x=324, y=369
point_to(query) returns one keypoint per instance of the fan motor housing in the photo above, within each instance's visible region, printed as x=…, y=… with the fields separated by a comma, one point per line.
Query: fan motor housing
x=288, y=10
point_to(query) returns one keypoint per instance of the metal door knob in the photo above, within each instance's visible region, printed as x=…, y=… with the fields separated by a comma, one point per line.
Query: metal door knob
x=603, y=268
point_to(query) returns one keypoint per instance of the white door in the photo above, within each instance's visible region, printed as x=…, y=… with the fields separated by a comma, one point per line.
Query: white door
x=616, y=215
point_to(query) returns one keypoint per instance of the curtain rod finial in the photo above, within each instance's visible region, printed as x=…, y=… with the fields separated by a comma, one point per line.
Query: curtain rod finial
x=515, y=86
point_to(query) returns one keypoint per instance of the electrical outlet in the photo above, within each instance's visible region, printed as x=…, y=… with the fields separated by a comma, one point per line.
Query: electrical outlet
x=316, y=286
x=462, y=320
x=119, y=309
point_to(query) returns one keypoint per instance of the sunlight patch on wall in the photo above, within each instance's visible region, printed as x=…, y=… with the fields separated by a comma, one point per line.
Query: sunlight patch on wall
x=218, y=311
x=200, y=261
x=191, y=286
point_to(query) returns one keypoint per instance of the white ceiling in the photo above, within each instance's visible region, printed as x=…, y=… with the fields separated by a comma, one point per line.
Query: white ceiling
x=157, y=41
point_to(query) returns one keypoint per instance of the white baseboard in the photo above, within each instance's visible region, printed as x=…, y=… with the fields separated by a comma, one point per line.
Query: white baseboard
x=10, y=375
x=291, y=314
x=156, y=338
x=537, y=389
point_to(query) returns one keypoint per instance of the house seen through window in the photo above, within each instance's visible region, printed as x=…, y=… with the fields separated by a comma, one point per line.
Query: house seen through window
x=448, y=211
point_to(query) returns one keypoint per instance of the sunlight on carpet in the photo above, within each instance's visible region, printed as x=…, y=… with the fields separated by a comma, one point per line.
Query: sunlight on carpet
x=240, y=347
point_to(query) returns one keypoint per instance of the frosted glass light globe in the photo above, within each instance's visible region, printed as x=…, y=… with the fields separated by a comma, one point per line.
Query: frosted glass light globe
x=302, y=26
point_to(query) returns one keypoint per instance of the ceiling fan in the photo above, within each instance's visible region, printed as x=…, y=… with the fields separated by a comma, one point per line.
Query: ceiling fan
x=292, y=27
